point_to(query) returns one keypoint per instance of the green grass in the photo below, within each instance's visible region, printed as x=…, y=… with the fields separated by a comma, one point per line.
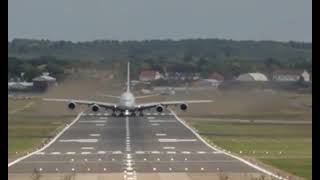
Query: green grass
x=287, y=147
x=27, y=130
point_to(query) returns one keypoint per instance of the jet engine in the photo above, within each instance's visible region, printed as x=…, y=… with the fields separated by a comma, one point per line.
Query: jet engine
x=159, y=108
x=95, y=108
x=183, y=107
x=72, y=105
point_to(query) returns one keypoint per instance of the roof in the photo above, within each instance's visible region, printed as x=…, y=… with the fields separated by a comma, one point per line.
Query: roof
x=253, y=76
x=19, y=85
x=216, y=76
x=148, y=72
x=44, y=78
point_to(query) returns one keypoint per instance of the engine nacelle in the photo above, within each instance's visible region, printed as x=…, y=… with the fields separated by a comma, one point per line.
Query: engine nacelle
x=95, y=108
x=159, y=108
x=183, y=107
x=72, y=105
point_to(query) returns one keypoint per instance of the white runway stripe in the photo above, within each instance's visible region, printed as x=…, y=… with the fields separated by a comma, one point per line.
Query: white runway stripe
x=155, y=121
x=99, y=124
x=155, y=152
x=150, y=117
x=217, y=152
x=168, y=147
x=102, y=152
x=55, y=153
x=97, y=121
x=79, y=140
x=69, y=153
x=171, y=152
x=103, y=118
x=85, y=152
x=185, y=152
x=40, y=153
x=177, y=140
x=155, y=124
x=87, y=147
x=140, y=152
x=201, y=152
x=116, y=152
x=94, y=135
x=161, y=134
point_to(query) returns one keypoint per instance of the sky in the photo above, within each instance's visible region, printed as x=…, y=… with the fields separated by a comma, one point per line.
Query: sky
x=86, y=20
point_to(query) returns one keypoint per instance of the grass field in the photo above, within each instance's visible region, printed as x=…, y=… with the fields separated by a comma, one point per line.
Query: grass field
x=27, y=129
x=286, y=147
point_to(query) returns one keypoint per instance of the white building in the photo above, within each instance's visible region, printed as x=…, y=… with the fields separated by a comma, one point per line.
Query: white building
x=291, y=75
x=252, y=77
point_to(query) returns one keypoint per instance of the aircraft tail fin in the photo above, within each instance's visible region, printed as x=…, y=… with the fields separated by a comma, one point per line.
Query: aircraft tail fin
x=128, y=77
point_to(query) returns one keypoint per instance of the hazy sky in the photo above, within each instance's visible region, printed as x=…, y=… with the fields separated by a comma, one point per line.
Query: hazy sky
x=83, y=20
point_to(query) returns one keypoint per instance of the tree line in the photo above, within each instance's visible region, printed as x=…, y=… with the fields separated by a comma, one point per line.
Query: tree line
x=227, y=57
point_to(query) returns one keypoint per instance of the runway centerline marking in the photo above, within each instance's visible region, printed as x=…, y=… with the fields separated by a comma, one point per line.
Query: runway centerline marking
x=94, y=135
x=129, y=172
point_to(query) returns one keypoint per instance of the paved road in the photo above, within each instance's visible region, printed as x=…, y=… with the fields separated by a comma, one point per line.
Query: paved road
x=156, y=142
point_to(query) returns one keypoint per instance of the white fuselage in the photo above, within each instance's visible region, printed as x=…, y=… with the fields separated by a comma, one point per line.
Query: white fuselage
x=127, y=101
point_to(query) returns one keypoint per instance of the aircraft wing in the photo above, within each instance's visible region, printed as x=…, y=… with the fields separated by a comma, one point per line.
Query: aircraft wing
x=146, y=96
x=83, y=102
x=171, y=103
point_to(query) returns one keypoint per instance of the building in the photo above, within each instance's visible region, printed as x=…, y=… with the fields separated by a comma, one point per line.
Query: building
x=208, y=83
x=291, y=75
x=216, y=76
x=252, y=77
x=43, y=82
x=182, y=76
x=149, y=75
x=20, y=86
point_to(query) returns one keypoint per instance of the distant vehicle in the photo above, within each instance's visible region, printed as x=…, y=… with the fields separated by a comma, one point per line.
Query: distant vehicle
x=127, y=105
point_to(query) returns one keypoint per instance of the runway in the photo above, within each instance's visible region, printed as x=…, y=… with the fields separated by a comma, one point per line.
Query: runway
x=156, y=142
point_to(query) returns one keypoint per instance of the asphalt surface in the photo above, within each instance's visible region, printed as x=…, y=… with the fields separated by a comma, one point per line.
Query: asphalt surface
x=156, y=142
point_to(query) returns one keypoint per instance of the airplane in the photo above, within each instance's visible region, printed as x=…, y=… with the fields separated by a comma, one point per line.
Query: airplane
x=127, y=105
